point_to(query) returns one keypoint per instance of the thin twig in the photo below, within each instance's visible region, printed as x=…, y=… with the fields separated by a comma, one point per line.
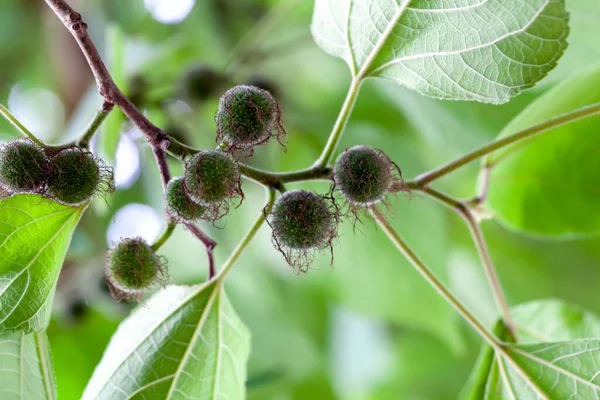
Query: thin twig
x=86, y=138
x=488, y=265
x=165, y=236
x=431, y=278
x=528, y=133
x=17, y=124
x=249, y=236
x=106, y=86
x=156, y=137
x=209, y=244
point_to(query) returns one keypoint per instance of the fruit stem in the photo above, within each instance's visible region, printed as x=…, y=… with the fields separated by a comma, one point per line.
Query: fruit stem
x=340, y=124
x=276, y=180
x=431, y=278
x=488, y=265
x=90, y=131
x=20, y=127
x=165, y=236
x=209, y=245
x=528, y=133
x=249, y=236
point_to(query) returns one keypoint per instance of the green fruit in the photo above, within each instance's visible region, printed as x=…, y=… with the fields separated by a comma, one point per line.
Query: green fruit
x=212, y=176
x=363, y=175
x=179, y=203
x=247, y=116
x=199, y=83
x=74, y=176
x=23, y=166
x=303, y=220
x=132, y=266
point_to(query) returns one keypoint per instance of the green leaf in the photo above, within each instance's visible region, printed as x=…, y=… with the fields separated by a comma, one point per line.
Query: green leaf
x=554, y=320
x=185, y=342
x=532, y=369
x=546, y=185
x=487, y=51
x=563, y=370
x=583, y=47
x=34, y=236
x=26, y=367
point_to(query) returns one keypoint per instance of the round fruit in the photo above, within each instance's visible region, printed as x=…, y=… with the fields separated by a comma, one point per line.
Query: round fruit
x=247, y=116
x=74, y=176
x=363, y=175
x=180, y=204
x=200, y=83
x=212, y=176
x=23, y=165
x=132, y=267
x=302, y=220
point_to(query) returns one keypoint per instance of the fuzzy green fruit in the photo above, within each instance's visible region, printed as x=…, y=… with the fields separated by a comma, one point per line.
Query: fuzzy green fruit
x=74, y=176
x=247, y=116
x=179, y=203
x=363, y=175
x=132, y=266
x=212, y=176
x=199, y=83
x=302, y=220
x=23, y=166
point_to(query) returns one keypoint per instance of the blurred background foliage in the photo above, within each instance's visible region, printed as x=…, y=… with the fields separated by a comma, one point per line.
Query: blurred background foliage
x=368, y=328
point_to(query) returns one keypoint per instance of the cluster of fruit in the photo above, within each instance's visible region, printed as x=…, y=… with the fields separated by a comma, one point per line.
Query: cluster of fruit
x=302, y=221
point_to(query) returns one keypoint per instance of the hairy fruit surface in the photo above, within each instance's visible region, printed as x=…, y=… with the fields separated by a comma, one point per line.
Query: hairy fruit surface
x=303, y=221
x=75, y=175
x=23, y=166
x=132, y=266
x=363, y=175
x=248, y=116
x=212, y=176
x=181, y=206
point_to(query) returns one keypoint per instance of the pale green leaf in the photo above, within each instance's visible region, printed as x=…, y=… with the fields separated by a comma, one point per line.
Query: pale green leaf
x=26, y=367
x=184, y=343
x=487, y=51
x=564, y=367
x=34, y=236
x=552, y=321
x=562, y=370
x=546, y=185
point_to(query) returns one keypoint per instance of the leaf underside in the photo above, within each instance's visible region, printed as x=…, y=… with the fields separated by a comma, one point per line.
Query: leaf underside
x=34, y=236
x=184, y=343
x=482, y=50
x=565, y=369
x=25, y=367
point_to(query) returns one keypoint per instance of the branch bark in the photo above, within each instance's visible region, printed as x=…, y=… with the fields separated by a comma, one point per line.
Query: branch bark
x=107, y=88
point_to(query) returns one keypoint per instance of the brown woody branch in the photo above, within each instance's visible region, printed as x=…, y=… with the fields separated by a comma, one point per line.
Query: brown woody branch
x=107, y=88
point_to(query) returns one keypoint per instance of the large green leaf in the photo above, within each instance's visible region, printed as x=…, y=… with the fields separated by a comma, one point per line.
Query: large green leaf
x=546, y=185
x=26, y=367
x=562, y=370
x=583, y=47
x=186, y=342
x=554, y=320
x=462, y=50
x=34, y=236
x=533, y=370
